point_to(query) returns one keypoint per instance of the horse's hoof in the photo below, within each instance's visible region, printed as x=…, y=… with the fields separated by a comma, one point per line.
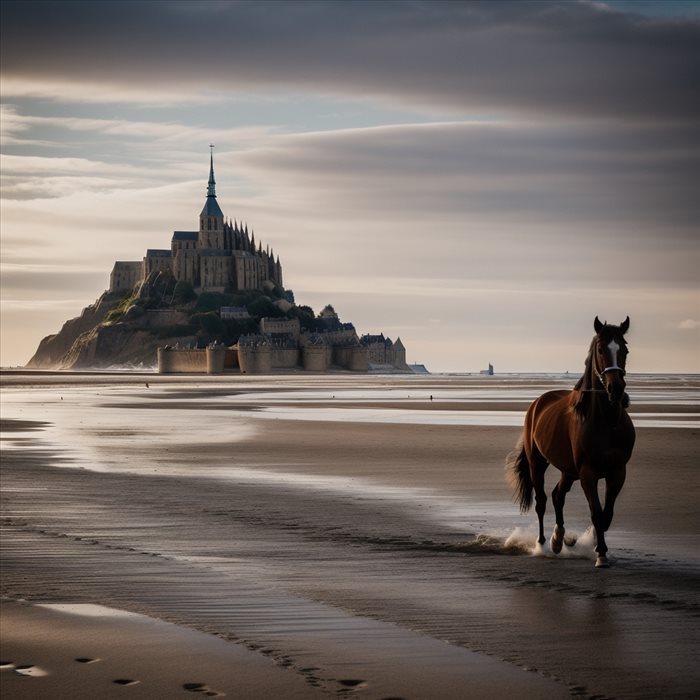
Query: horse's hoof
x=556, y=542
x=602, y=563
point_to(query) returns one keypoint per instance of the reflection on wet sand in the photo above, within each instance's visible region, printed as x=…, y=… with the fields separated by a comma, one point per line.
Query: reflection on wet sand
x=325, y=545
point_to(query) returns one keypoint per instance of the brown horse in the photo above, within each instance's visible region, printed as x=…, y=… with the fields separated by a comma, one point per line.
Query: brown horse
x=585, y=433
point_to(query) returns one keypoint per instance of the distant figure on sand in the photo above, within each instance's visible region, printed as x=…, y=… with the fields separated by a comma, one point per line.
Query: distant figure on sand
x=586, y=433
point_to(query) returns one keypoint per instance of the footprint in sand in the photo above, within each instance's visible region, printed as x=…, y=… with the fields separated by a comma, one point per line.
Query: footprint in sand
x=125, y=681
x=202, y=688
x=86, y=660
x=6, y=665
x=350, y=684
x=30, y=670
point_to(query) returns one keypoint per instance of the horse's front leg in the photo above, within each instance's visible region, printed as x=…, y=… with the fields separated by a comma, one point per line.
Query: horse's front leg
x=589, y=482
x=558, y=498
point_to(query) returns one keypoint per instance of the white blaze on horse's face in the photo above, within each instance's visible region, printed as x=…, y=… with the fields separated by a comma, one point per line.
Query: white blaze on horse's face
x=613, y=347
x=613, y=373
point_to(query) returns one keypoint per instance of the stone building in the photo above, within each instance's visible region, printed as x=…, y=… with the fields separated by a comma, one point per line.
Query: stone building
x=237, y=313
x=382, y=351
x=125, y=275
x=281, y=326
x=220, y=255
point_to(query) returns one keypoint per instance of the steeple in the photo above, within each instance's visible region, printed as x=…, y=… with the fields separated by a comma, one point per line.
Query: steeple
x=211, y=218
x=211, y=206
x=211, y=185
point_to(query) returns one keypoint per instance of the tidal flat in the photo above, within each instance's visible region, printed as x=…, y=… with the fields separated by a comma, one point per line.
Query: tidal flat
x=339, y=535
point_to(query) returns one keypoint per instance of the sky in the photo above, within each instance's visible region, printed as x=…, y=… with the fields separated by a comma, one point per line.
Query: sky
x=480, y=179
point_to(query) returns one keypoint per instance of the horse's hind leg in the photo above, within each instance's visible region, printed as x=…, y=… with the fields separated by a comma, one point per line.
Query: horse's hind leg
x=538, y=466
x=558, y=497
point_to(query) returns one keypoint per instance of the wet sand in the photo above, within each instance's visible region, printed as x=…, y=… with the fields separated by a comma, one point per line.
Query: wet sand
x=349, y=557
x=90, y=651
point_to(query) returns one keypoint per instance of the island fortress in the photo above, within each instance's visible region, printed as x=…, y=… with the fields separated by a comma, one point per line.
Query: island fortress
x=220, y=256
x=216, y=302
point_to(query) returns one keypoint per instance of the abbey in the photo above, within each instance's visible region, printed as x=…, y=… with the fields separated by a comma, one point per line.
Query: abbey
x=236, y=316
x=220, y=255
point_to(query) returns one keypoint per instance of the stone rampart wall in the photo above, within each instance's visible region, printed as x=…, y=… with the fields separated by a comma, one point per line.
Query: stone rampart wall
x=256, y=359
x=342, y=355
x=285, y=357
x=261, y=359
x=216, y=358
x=352, y=357
x=358, y=360
x=174, y=360
x=315, y=358
x=231, y=359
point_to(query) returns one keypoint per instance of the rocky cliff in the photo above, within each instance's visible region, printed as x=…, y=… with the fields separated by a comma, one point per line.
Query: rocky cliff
x=54, y=350
x=126, y=330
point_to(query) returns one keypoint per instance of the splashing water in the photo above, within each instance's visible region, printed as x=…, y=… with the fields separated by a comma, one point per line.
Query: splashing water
x=575, y=546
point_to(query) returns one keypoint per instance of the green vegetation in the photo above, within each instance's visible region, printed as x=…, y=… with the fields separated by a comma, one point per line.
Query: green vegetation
x=176, y=330
x=204, y=320
x=307, y=318
x=208, y=322
x=211, y=301
x=183, y=293
x=115, y=315
x=113, y=296
x=262, y=306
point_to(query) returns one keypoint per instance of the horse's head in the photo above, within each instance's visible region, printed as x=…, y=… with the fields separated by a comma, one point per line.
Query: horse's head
x=609, y=352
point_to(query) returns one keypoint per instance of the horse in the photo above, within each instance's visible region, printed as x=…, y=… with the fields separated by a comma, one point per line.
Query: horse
x=586, y=433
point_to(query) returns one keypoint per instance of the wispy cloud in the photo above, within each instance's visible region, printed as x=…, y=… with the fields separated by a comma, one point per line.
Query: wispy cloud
x=16, y=122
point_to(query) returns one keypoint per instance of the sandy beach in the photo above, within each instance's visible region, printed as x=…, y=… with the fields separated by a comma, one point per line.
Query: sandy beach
x=314, y=536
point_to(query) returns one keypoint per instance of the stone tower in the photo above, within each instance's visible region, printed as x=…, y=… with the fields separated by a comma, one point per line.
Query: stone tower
x=211, y=220
x=217, y=257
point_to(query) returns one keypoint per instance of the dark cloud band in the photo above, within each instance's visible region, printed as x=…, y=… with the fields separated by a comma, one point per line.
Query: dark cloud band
x=570, y=58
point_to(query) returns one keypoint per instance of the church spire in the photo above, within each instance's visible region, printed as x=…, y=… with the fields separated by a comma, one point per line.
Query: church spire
x=211, y=186
x=211, y=217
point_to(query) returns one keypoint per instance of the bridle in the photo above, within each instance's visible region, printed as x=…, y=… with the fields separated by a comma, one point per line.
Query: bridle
x=601, y=373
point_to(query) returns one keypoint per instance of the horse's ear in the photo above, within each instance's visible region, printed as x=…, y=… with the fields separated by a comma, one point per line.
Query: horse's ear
x=597, y=325
x=625, y=325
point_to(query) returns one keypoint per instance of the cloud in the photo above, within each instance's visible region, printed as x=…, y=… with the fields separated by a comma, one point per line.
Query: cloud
x=14, y=121
x=689, y=325
x=46, y=278
x=509, y=202
x=607, y=195
x=515, y=168
x=567, y=59
x=29, y=165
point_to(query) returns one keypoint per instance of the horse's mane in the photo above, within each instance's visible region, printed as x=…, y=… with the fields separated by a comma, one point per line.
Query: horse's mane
x=584, y=386
x=581, y=399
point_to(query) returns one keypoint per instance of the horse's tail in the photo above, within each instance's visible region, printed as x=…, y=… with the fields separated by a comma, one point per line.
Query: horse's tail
x=518, y=472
